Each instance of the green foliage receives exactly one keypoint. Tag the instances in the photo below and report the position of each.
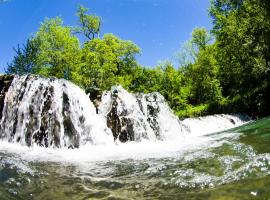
(200, 38)
(193, 111)
(242, 30)
(230, 75)
(89, 24)
(187, 55)
(204, 77)
(221, 9)
(59, 50)
(108, 61)
(146, 80)
(25, 59)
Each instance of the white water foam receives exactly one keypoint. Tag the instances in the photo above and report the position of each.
(214, 123)
(157, 134)
(34, 103)
(119, 151)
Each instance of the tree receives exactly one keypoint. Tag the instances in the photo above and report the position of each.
(172, 84)
(242, 30)
(197, 84)
(89, 24)
(204, 77)
(200, 38)
(221, 9)
(146, 80)
(190, 49)
(187, 54)
(24, 61)
(58, 50)
(108, 61)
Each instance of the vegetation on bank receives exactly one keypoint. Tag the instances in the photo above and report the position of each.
(226, 70)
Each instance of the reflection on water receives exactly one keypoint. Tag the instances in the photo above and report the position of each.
(229, 165)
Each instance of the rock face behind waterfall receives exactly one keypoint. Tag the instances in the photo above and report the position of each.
(138, 116)
(50, 113)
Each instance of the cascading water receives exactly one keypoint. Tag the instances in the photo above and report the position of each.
(140, 116)
(50, 113)
(56, 113)
(213, 123)
(130, 146)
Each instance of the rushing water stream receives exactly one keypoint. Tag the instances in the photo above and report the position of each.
(164, 158)
(226, 165)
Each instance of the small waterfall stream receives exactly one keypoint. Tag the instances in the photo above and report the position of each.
(56, 113)
(50, 113)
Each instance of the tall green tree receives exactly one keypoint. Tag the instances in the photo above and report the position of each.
(108, 61)
(58, 50)
(146, 80)
(204, 77)
(188, 54)
(242, 30)
(24, 61)
(200, 38)
(172, 86)
(89, 24)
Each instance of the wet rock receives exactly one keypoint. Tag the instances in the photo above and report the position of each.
(49, 122)
(56, 113)
(113, 120)
(134, 117)
(5, 82)
(95, 96)
(127, 130)
(121, 126)
(152, 100)
(69, 127)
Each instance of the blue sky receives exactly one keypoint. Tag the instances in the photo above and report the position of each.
(158, 27)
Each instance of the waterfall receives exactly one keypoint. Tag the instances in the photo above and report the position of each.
(214, 123)
(140, 116)
(53, 112)
(50, 113)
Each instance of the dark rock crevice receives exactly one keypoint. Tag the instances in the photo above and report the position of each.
(69, 127)
(120, 125)
(95, 95)
(152, 113)
(122, 122)
(5, 82)
(48, 123)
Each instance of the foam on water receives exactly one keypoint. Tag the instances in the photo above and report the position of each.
(185, 166)
(55, 113)
(145, 149)
(89, 153)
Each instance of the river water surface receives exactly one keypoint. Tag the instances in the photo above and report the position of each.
(227, 165)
